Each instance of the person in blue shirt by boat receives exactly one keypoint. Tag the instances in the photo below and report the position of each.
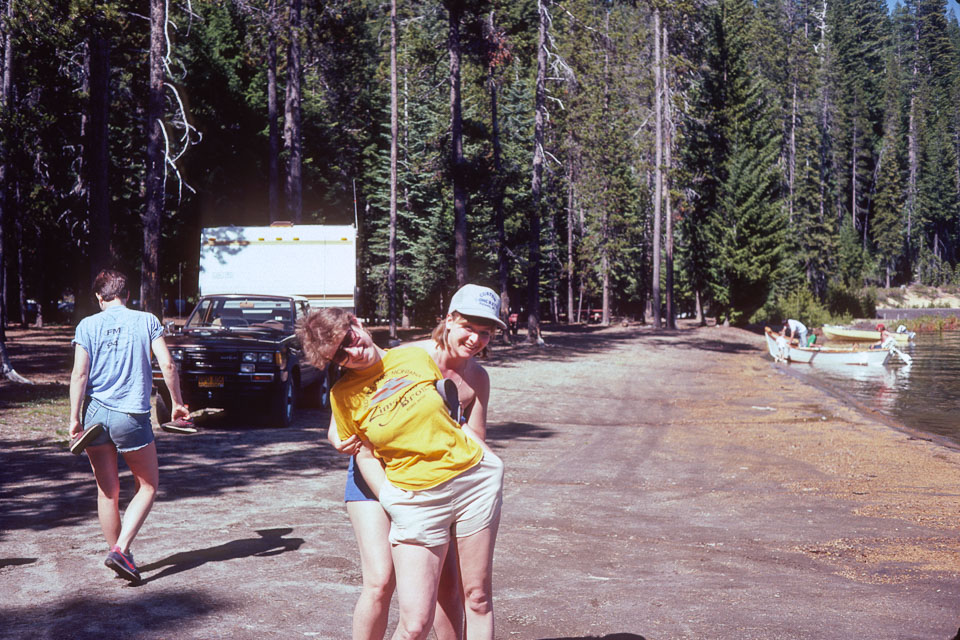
(797, 330)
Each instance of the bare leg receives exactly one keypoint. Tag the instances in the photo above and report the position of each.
(143, 465)
(448, 621)
(418, 573)
(372, 526)
(103, 460)
(476, 572)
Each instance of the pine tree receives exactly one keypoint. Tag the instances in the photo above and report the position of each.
(937, 188)
(746, 228)
(859, 31)
(889, 230)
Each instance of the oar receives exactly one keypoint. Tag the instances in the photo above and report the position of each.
(900, 354)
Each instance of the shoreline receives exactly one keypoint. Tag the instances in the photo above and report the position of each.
(867, 411)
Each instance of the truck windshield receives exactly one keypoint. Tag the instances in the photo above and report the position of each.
(242, 313)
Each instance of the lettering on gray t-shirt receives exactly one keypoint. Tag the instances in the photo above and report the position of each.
(118, 341)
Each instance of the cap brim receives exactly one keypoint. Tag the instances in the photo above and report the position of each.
(481, 315)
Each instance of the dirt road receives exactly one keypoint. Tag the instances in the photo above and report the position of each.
(659, 486)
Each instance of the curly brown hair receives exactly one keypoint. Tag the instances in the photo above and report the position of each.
(321, 332)
(439, 334)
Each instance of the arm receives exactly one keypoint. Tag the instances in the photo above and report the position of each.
(476, 424)
(78, 389)
(371, 469)
(349, 446)
(170, 377)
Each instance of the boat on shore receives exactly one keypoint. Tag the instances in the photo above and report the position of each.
(781, 350)
(836, 332)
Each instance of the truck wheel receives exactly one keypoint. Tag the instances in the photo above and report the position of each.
(163, 406)
(316, 395)
(281, 410)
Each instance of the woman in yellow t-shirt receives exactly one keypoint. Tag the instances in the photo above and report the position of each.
(471, 322)
(438, 476)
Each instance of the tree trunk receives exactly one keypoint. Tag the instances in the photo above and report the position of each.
(604, 244)
(582, 228)
(97, 153)
(498, 213)
(658, 177)
(792, 153)
(456, 146)
(6, 98)
(291, 125)
(913, 155)
(853, 179)
(605, 300)
(571, 201)
(273, 177)
(18, 243)
(533, 268)
(552, 259)
(668, 161)
(154, 192)
(394, 133)
(6, 367)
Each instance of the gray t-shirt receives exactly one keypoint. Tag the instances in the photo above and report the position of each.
(118, 341)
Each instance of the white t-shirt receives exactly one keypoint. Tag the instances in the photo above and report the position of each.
(796, 327)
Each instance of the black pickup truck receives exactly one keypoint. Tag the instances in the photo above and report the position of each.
(240, 352)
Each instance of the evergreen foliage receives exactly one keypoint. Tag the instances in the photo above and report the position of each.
(812, 151)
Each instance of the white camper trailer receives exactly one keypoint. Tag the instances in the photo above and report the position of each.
(317, 262)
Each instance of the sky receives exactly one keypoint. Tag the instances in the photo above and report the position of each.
(952, 4)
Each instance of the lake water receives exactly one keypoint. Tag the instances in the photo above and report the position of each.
(922, 395)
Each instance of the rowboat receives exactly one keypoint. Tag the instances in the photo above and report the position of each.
(780, 350)
(836, 332)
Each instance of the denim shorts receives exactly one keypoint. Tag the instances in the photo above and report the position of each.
(357, 489)
(127, 431)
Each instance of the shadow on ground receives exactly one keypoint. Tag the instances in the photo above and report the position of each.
(500, 433)
(42, 485)
(270, 543)
(614, 636)
(18, 395)
(100, 616)
(564, 343)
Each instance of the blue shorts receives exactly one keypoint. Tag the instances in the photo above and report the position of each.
(127, 431)
(357, 489)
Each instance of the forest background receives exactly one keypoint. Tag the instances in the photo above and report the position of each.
(746, 159)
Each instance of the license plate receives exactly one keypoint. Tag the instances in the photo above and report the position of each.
(210, 382)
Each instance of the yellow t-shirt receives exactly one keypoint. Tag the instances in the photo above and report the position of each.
(394, 405)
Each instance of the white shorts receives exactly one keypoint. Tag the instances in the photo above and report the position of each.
(468, 503)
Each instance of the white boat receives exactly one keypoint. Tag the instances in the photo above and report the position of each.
(836, 332)
(781, 350)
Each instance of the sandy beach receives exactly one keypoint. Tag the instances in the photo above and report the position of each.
(659, 485)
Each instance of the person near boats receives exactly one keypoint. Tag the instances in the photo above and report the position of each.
(885, 336)
(796, 330)
(387, 400)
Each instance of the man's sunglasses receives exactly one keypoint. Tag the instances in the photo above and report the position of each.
(340, 355)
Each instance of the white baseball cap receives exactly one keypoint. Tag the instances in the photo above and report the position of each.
(477, 302)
